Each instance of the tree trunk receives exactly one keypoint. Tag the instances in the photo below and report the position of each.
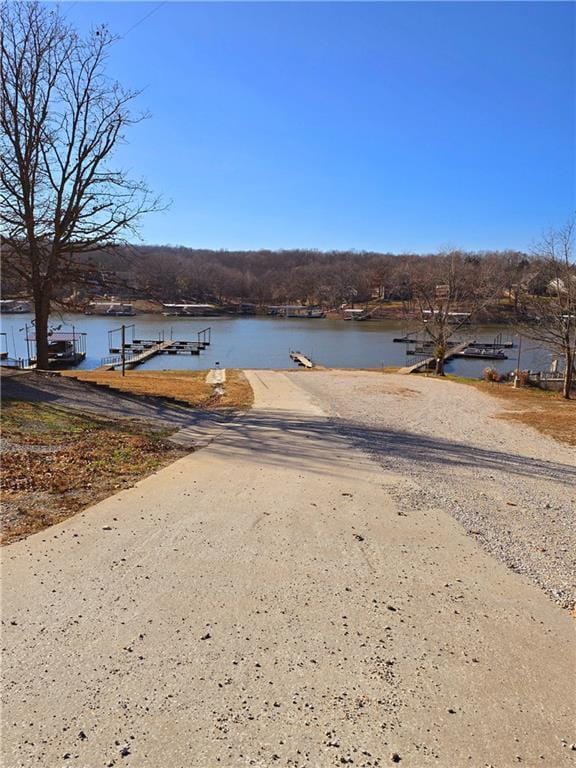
(440, 355)
(568, 376)
(41, 311)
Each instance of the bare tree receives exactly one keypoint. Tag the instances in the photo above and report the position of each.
(550, 318)
(61, 118)
(450, 291)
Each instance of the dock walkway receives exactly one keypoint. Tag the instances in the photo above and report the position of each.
(428, 361)
(132, 360)
(138, 351)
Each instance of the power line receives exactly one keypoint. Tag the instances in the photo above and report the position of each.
(143, 19)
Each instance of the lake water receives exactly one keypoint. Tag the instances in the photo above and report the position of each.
(265, 342)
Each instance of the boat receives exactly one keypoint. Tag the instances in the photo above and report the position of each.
(14, 306)
(64, 349)
(190, 310)
(451, 318)
(315, 313)
(296, 310)
(482, 353)
(353, 314)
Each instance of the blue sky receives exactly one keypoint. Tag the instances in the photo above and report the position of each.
(384, 126)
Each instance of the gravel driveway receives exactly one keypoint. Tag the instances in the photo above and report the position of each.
(511, 487)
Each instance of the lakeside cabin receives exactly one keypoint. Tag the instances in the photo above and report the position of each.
(110, 308)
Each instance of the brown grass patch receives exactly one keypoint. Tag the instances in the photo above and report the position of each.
(57, 463)
(546, 411)
(186, 386)
(237, 391)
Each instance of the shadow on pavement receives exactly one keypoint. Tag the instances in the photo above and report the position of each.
(320, 444)
(77, 395)
(281, 437)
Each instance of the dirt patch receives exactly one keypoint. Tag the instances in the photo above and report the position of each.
(186, 386)
(401, 391)
(385, 389)
(57, 462)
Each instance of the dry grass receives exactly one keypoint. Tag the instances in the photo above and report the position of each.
(546, 411)
(57, 462)
(186, 386)
(237, 391)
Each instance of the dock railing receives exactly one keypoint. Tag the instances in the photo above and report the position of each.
(205, 336)
(131, 357)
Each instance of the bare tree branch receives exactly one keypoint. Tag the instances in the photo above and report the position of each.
(551, 318)
(61, 118)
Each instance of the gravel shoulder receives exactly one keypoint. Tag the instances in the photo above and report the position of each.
(512, 488)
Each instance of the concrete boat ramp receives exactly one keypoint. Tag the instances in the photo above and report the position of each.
(264, 602)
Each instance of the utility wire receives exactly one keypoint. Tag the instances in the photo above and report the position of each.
(143, 19)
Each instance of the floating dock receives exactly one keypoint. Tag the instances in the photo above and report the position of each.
(301, 359)
(138, 351)
(482, 353)
(492, 345)
(469, 349)
(428, 362)
(133, 358)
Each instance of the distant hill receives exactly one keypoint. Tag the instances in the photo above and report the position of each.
(166, 273)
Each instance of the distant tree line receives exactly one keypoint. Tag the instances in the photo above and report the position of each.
(536, 292)
(329, 278)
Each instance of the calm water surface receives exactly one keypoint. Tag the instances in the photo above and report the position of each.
(264, 342)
